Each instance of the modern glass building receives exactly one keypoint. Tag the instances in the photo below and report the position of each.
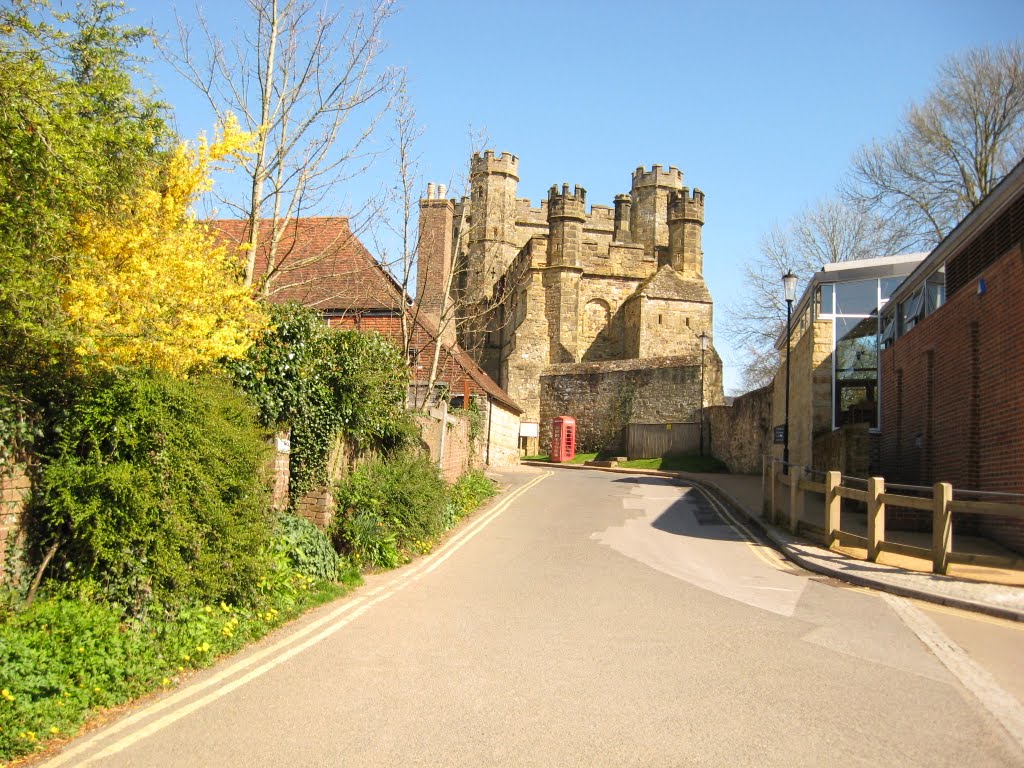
(835, 342)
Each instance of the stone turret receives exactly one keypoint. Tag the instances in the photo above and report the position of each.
(649, 213)
(623, 206)
(494, 180)
(566, 216)
(685, 220)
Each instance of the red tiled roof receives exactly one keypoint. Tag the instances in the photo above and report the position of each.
(321, 264)
(324, 266)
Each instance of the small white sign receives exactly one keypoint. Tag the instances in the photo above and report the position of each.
(529, 429)
(284, 445)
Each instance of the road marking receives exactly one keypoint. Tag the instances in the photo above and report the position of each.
(765, 553)
(335, 620)
(1002, 705)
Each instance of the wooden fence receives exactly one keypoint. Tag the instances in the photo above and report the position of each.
(652, 441)
(939, 502)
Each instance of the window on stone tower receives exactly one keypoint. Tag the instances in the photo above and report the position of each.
(659, 319)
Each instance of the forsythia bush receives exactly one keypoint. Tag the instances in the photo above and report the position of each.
(152, 286)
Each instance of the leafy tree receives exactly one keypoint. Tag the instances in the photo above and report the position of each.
(152, 287)
(75, 136)
(952, 149)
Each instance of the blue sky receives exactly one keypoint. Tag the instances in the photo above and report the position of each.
(760, 104)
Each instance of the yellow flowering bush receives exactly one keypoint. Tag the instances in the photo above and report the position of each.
(152, 286)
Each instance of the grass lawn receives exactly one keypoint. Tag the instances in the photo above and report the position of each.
(689, 463)
(579, 458)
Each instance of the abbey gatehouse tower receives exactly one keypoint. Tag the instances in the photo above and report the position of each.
(595, 313)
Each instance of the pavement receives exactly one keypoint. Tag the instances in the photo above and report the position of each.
(742, 493)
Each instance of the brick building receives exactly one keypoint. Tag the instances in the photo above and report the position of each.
(589, 305)
(953, 357)
(329, 269)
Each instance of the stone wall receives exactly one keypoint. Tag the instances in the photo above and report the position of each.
(499, 442)
(15, 489)
(604, 397)
(739, 435)
(459, 455)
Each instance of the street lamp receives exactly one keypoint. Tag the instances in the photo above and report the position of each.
(704, 339)
(789, 286)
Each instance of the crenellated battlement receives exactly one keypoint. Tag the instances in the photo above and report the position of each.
(487, 162)
(686, 205)
(565, 204)
(657, 177)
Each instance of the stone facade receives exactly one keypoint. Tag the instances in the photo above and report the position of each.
(605, 397)
(810, 383)
(541, 288)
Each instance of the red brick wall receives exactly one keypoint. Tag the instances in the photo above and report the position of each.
(953, 392)
(15, 488)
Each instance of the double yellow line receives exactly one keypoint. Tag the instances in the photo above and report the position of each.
(183, 702)
(762, 551)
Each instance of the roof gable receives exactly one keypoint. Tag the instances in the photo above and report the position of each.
(666, 283)
(321, 264)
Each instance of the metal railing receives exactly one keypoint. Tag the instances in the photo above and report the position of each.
(876, 496)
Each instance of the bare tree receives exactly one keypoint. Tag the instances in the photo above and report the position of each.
(951, 150)
(308, 80)
(831, 231)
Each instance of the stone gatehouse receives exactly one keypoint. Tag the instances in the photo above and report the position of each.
(558, 299)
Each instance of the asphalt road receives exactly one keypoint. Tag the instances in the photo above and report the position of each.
(594, 619)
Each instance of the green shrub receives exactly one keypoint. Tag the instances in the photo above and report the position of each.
(401, 498)
(66, 656)
(307, 548)
(324, 383)
(155, 492)
(471, 490)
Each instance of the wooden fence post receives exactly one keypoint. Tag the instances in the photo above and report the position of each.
(942, 526)
(833, 505)
(795, 496)
(876, 516)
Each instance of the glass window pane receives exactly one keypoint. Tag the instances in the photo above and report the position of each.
(856, 362)
(825, 301)
(888, 285)
(935, 292)
(859, 297)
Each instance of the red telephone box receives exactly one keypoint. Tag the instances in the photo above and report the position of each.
(563, 438)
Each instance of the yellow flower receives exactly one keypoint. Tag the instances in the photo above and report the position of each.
(7, 694)
(165, 681)
(54, 729)
(186, 657)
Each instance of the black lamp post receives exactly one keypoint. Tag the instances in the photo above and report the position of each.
(704, 339)
(789, 286)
